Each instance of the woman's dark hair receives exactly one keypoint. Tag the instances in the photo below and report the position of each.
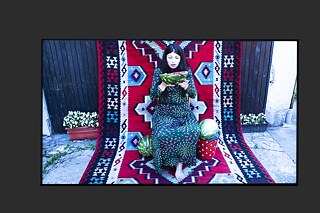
(183, 65)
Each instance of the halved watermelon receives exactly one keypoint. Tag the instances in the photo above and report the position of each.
(174, 78)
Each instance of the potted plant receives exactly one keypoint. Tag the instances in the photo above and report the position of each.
(81, 125)
(253, 122)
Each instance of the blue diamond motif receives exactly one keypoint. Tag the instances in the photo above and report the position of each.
(204, 73)
(136, 76)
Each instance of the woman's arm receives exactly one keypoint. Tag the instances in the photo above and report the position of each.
(155, 91)
(191, 90)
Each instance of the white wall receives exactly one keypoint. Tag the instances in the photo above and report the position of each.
(45, 118)
(283, 75)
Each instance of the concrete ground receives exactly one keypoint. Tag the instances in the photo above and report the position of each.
(64, 161)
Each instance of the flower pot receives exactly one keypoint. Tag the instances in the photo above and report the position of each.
(254, 128)
(81, 133)
(206, 149)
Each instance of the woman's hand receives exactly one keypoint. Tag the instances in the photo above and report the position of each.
(184, 84)
(163, 86)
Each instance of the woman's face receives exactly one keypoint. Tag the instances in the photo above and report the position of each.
(173, 60)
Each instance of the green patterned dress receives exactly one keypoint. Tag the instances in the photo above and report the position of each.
(175, 129)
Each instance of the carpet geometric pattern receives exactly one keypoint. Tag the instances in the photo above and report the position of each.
(125, 71)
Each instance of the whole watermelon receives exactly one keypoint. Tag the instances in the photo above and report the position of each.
(174, 78)
(145, 146)
(208, 129)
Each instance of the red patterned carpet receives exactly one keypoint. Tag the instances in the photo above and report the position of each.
(125, 110)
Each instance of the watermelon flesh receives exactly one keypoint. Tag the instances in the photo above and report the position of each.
(174, 78)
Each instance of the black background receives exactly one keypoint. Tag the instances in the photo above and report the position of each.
(25, 24)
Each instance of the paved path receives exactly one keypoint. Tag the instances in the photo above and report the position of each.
(276, 150)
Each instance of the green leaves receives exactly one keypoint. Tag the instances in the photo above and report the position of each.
(253, 119)
(80, 119)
